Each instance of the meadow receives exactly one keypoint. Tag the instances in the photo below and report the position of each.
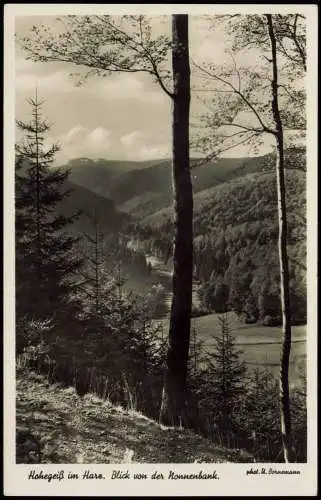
(260, 346)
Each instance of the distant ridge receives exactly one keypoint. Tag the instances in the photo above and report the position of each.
(141, 188)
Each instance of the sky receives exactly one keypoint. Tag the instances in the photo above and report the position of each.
(123, 116)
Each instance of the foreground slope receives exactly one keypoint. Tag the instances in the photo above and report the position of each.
(55, 425)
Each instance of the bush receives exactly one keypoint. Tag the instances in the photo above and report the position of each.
(156, 301)
(271, 321)
(214, 296)
(197, 313)
(28, 447)
(259, 417)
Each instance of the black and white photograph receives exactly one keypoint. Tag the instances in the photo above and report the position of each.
(162, 273)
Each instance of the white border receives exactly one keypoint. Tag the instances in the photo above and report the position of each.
(233, 480)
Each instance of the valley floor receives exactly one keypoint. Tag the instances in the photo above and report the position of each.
(55, 425)
(260, 346)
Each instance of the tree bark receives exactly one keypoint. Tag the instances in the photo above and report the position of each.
(173, 399)
(283, 257)
(38, 187)
(97, 294)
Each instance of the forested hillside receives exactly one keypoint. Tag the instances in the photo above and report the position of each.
(142, 188)
(108, 177)
(235, 251)
(87, 203)
(235, 225)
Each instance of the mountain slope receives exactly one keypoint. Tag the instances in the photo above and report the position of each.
(134, 180)
(142, 188)
(244, 199)
(236, 243)
(99, 176)
(55, 425)
(110, 219)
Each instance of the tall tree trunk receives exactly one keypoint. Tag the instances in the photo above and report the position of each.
(173, 400)
(38, 187)
(283, 257)
(97, 290)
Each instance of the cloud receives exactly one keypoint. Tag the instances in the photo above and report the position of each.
(99, 137)
(54, 82)
(205, 41)
(133, 138)
(141, 145)
(23, 65)
(119, 87)
(102, 143)
(81, 141)
(153, 152)
(96, 138)
(203, 52)
(126, 86)
(76, 135)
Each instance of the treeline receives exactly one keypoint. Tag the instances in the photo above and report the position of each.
(236, 245)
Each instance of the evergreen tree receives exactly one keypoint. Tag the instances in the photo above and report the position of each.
(45, 252)
(224, 377)
(258, 416)
(195, 355)
(119, 354)
(95, 275)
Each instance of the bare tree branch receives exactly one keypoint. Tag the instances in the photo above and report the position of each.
(237, 92)
(72, 48)
(216, 154)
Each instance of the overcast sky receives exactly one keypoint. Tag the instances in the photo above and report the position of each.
(123, 116)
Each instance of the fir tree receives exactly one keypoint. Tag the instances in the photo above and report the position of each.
(95, 275)
(196, 358)
(258, 416)
(225, 376)
(45, 252)
(120, 343)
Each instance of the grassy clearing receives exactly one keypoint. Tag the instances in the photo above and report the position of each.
(261, 345)
(55, 425)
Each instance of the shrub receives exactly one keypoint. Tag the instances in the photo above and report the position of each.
(271, 321)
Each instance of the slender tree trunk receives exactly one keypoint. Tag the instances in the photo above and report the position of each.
(97, 294)
(283, 257)
(195, 352)
(38, 217)
(173, 400)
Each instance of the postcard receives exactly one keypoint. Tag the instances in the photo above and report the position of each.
(160, 250)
